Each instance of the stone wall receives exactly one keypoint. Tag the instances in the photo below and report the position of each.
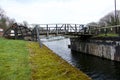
(103, 48)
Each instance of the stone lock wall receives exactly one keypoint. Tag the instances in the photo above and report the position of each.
(105, 49)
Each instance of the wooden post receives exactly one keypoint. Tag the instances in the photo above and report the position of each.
(33, 34)
(75, 28)
(47, 31)
(89, 31)
(119, 30)
(105, 32)
(56, 29)
(16, 31)
(65, 29)
(21, 32)
(38, 36)
(68, 28)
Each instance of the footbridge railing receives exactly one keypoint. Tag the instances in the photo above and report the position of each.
(22, 32)
(59, 29)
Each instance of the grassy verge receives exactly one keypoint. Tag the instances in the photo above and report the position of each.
(107, 35)
(17, 63)
(14, 61)
(48, 66)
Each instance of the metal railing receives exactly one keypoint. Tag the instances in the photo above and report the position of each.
(105, 30)
(46, 29)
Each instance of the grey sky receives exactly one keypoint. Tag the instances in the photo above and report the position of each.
(58, 11)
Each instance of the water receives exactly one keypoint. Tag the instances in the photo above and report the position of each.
(96, 68)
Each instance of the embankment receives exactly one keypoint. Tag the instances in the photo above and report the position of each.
(22, 60)
(46, 65)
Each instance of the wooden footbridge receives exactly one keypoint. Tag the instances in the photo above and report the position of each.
(22, 32)
(60, 29)
(18, 32)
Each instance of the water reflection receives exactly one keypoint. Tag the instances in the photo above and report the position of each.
(60, 47)
(96, 68)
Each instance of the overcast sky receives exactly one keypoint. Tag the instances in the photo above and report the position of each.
(57, 11)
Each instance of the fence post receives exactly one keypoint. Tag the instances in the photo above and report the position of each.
(75, 28)
(119, 30)
(65, 29)
(38, 36)
(105, 31)
(15, 27)
(56, 29)
(47, 31)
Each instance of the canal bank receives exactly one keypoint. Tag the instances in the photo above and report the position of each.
(103, 47)
(23, 60)
(95, 67)
(46, 65)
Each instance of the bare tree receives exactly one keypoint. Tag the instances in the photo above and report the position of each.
(5, 21)
(25, 23)
(92, 25)
(110, 20)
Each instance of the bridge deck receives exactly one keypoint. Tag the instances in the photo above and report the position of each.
(78, 30)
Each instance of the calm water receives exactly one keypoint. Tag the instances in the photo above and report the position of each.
(96, 68)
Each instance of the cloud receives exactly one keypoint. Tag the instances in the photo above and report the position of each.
(54, 11)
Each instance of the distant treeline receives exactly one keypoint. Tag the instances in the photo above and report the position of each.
(108, 20)
(5, 21)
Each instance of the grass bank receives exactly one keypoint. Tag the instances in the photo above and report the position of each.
(107, 35)
(21, 60)
(14, 61)
(48, 66)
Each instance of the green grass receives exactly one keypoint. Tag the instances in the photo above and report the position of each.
(46, 65)
(21, 60)
(107, 35)
(14, 60)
